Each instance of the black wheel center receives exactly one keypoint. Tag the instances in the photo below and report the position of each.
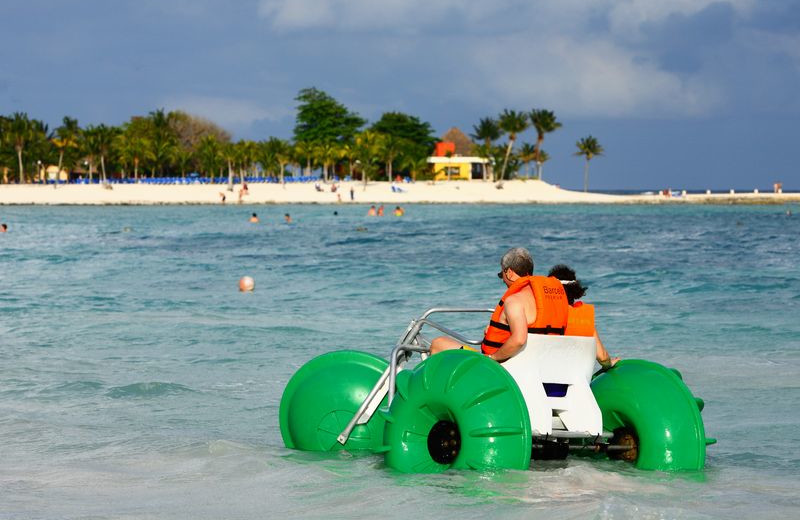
(444, 442)
(625, 437)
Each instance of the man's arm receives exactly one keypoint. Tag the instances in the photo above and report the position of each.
(515, 315)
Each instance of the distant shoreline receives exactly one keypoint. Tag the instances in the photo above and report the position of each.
(453, 192)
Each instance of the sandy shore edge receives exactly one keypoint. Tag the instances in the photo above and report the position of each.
(456, 192)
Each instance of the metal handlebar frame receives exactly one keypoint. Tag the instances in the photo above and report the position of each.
(410, 341)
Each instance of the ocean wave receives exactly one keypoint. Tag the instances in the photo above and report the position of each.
(147, 390)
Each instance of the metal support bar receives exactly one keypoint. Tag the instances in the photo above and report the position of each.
(342, 438)
(410, 341)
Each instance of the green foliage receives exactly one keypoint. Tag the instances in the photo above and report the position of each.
(320, 118)
(133, 147)
(589, 147)
(512, 123)
(487, 130)
(209, 155)
(544, 121)
(368, 153)
(66, 142)
(326, 135)
(526, 154)
(418, 135)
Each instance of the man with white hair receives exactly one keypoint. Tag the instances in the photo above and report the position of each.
(530, 305)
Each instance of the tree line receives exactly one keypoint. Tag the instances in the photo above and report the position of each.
(328, 137)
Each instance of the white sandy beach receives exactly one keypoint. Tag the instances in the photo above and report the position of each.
(454, 192)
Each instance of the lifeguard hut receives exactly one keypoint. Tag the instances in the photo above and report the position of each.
(453, 158)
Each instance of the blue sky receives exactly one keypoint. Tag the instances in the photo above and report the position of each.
(682, 93)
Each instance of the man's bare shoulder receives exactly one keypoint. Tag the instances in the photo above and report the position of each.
(520, 298)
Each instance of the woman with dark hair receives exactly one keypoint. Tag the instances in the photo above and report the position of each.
(580, 321)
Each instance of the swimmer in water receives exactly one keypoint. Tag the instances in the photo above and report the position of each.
(287, 218)
(371, 212)
(3, 227)
(254, 218)
(399, 212)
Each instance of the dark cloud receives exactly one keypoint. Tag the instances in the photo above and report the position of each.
(684, 42)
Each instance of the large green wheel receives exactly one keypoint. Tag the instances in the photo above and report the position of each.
(650, 408)
(457, 409)
(322, 397)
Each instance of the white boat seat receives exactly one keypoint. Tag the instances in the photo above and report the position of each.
(553, 373)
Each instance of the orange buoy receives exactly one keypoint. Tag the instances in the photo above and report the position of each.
(246, 283)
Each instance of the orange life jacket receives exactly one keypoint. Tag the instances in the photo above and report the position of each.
(580, 321)
(551, 311)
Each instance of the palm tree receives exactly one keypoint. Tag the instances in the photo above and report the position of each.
(161, 151)
(182, 158)
(90, 146)
(19, 132)
(162, 139)
(40, 147)
(487, 131)
(228, 151)
(304, 151)
(544, 121)
(246, 154)
(283, 154)
(415, 164)
(527, 153)
(105, 141)
(208, 154)
(588, 147)
(512, 123)
(326, 154)
(68, 134)
(265, 156)
(391, 147)
(133, 148)
(368, 152)
(348, 151)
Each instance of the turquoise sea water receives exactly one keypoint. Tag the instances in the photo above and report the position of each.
(137, 382)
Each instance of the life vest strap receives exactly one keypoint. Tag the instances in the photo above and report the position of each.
(498, 325)
(547, 330)
(493, 344)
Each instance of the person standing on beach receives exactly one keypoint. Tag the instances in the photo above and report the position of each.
(352, 193)
(580, 321)
(530, 305)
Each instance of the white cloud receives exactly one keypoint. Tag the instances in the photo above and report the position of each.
(581, 57)
(626, 18)
(399, 15)
(592, 78)
(230, 113)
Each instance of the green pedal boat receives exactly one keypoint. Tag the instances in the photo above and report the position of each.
(460, 409)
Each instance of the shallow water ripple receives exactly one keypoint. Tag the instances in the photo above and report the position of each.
(137, 382)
